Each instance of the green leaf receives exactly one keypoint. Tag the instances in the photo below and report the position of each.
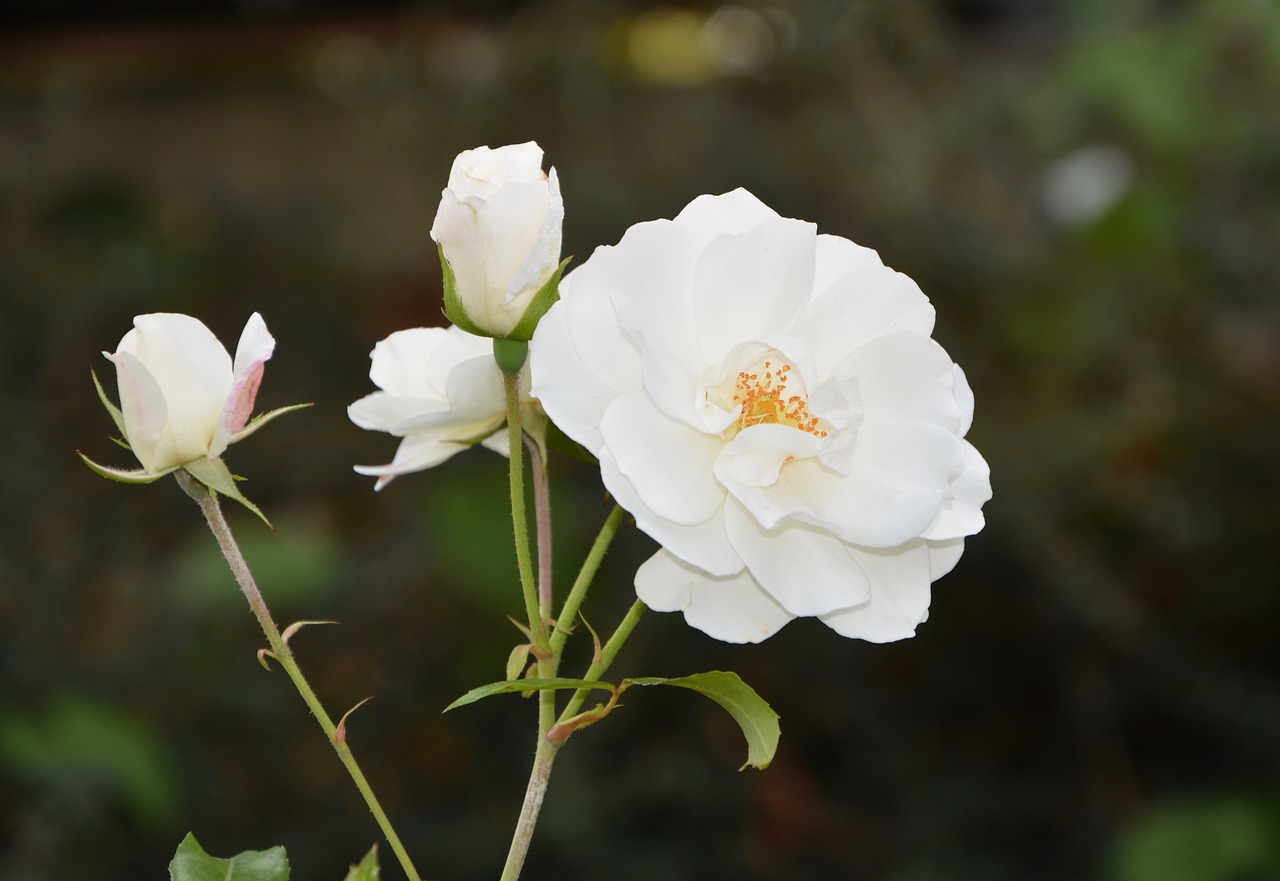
(368, 869)
(758, 721)
(525, 685)
(120, 475)
(191, 863)
(215, 475)
(106, 402)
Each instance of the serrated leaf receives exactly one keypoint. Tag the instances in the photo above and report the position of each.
(191, 863)
(758, 721)
(367, 870)
(215, 475)
(524, 685)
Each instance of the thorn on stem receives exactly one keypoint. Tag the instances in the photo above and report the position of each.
(263, 654)
(340, 733)
(298, 625)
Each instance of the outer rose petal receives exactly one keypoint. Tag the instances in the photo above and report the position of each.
(143, 407)
(733, 212)
(193, 372)
(961, 512)
(806, 570)
(252, 353)
(900, 594)
(579, 361)
(415, 453)
(732, 608)
(860, 305)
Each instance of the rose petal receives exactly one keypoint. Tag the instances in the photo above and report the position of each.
(704, 545)
(961, 511)
(732, 608)
(668, 463)
(900, 595)
(808, 571)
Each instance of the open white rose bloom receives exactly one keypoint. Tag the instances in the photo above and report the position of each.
(768, 404)
(182, 397)
(441, 391)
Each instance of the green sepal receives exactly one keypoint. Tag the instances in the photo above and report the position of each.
(191, 863)
(453, 308)
(758, 721)
(262, 419)
(116, 415)
(141, 475)
(525, 685)
(367, 869)
(216, 477)
(543, 300)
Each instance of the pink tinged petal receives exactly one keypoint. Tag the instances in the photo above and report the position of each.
(731, 609)
(252, 353)
(143, 407)
(579, 361)
(900, 595)
(859, 306)
(838, 256)
(705, 545)
(904, 376)
(669, 464)
(897, 481)
(961, 512)
(752, 285)
(943, 556)
(807, 570)
(195, 377)
(415, 453)
(734, 212)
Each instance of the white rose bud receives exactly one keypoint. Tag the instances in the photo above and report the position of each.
(498, 230)
(183, 400)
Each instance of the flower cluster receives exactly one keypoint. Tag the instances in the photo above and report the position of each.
(766, 401)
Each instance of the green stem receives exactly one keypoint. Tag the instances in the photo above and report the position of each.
(585, 576)
(519, 519)
(280, 650)
(542, 522)
(607, 654)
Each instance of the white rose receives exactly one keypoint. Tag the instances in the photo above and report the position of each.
(498, 227)
(441, 391)
(769, 405)
(181, 396)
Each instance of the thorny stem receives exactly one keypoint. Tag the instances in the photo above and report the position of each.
(585, 576)
(519, 519)
(542, 520)
(281, 652)
(607, 654)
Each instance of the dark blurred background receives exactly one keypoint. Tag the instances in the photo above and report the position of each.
(1088, 192)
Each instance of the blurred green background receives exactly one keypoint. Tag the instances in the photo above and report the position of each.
(1088, 191)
